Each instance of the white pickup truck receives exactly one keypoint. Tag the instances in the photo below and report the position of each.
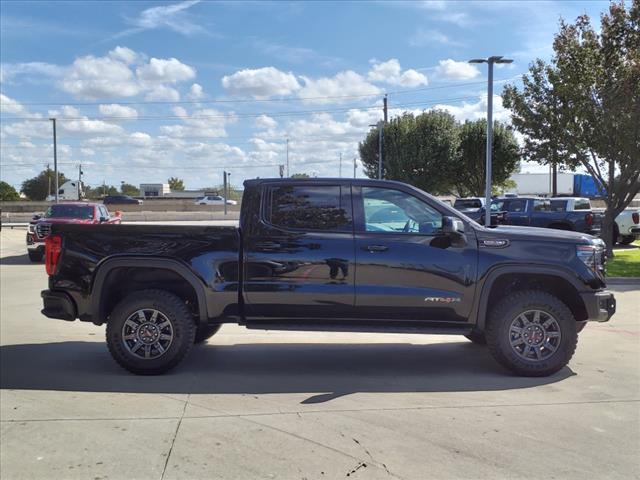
(627, 224)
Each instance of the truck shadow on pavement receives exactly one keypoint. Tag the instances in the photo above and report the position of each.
(22, 259)
(337, 368)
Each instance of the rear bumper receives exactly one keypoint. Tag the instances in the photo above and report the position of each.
(58, 305)
(635, 231)
(600, 305)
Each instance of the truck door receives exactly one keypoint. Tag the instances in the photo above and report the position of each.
(299, 258)
(517, 211)
(406, 268)
(541, 214)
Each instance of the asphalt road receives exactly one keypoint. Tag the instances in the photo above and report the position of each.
(252, 405)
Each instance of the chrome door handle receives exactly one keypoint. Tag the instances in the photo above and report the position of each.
(376, 248)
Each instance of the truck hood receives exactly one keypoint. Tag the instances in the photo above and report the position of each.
(514, 233)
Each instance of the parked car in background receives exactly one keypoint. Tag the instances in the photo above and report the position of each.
(63, 213)
(331, 255)
(121, 200)
(213, 200)
(473, 207)
(626, 228)
(550, 213)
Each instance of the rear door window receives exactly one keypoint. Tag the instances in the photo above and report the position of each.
(582, 204)
(515, 205)
(310, 207)
(541, 205)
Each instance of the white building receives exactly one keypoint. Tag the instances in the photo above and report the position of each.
(154, 189)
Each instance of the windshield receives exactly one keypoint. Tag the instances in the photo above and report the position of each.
(467, 203)
(69, 211)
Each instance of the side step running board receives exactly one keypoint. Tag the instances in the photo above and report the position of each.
(362, 327)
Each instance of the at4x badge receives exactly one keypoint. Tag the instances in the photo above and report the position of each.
(443, 299)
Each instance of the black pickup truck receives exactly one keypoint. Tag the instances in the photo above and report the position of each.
(330, 255)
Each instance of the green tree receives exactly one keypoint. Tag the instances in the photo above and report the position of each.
(468, 170)
(128, 189)
(100, 191)
(419, 150)
(300, 175)
(176, 183)
(8, 193)
(583, 108)
(38, 187)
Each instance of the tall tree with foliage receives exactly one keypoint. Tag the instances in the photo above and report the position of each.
(583, 109)
(417, 149)
(8, 193)
(469, 167)
(176, 184)
(128, 189)
(38, 187)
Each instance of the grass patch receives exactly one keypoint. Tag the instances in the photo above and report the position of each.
(625, 263)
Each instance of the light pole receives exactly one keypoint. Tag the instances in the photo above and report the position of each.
(380, 126)
(487, 193)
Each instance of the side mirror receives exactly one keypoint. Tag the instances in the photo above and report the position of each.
(37, 216)
(103, 219)
(452, 225)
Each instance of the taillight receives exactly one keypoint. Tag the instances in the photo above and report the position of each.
(636, 217)
(52, 249)
(589, 219)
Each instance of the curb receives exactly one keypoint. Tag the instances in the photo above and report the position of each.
(623, 281)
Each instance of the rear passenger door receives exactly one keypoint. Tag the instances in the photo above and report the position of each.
(516, 209)
(541, 214)
(299, 259)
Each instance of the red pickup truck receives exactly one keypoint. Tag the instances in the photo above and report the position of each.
(68, 212)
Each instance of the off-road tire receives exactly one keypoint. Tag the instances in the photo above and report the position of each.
(35, 257)
(205, 333)
(176, 311)
(510, 307)
(477, 337)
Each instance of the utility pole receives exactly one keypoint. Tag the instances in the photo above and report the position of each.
(380, 137)
(224, 183)
(340, 168)
(287, 158)
(104, 188)
(79, 179)
(354, 167)
(384, 107)
(55, 157)
(48, 180)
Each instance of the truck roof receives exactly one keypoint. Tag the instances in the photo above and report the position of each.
(322, 180)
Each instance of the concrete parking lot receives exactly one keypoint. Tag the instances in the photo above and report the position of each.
(252, 404)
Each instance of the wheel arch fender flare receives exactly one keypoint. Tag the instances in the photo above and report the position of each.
(107, 266)
(494, 274)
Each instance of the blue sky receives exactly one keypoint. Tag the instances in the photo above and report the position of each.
(147, 90)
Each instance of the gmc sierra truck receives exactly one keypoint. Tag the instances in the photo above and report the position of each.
(330, 255)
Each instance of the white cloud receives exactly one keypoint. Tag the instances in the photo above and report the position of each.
(120, 111)
(8, 71)
(429, 38)
(347, 83)
(201, 123)
(266, 122)
(165, 71)
(477, 110)
(163, 93)
(390, 72)
(173, 17)
(9, 105)
(450, 69)
(261, 83)
(196, 92)
(100, 77)
(125, 73)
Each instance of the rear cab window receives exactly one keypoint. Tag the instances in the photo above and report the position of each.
(309, 207)
(582, 204)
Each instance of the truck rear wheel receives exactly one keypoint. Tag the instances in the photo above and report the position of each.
(205, 333)
(627, 239)
(532, 333)
(150, 332)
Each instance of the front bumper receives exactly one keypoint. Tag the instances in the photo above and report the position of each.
(58, 305)
(600, 305)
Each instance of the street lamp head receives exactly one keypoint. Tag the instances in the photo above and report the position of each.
(504, 60)
(478, 60)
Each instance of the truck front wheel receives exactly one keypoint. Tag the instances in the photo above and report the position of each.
(150, 332)
(532, 333)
